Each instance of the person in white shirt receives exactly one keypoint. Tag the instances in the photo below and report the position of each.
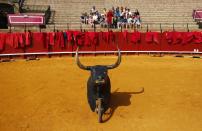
(93, 10)
(95, 18)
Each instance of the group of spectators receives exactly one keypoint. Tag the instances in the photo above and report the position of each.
(113, 18)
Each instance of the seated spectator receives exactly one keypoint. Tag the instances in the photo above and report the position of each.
(103, 21)
(129, 12)
(130, 21)
(104, 12)
(86, 18)
(119, 22)
(93, 10)
(121, 9)
(82, 18)
(125, 20)
(122, 22)
(137, 12)
(115, 21)
(117, 12)
(95, 18)
(90, 20)
(123, 12)
(113, 10)
(137, 21)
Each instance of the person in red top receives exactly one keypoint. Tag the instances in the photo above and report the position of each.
(110, 16)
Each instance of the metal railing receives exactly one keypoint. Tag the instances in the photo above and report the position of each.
(145, 28)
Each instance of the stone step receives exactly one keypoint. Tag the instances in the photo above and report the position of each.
(155, 12)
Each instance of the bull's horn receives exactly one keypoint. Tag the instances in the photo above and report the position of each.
(79, 63)
(117, 62)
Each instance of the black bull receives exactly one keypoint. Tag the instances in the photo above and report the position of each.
(98, 83)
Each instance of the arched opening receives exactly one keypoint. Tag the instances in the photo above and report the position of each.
(4, 10)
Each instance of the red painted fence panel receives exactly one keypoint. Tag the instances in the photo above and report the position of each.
(68, 41)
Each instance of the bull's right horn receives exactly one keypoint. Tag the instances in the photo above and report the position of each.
(79, 63)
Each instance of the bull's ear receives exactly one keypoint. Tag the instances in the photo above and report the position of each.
(79, 63)
(117, 62)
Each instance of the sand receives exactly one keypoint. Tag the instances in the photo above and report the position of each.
(148, 94)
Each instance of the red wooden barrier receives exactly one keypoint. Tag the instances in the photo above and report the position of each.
(38, 43)
(150, 41)
(11, 44)
(89, 42)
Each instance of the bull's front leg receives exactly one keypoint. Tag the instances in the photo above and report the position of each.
(91, 94)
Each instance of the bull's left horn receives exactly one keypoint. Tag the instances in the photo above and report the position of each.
(117, 62)
(79, 63)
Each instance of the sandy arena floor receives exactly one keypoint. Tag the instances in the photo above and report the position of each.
(50, 95)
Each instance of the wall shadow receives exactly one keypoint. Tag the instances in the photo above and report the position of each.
(119, 99)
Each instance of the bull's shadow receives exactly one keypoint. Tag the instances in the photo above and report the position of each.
(119, 99)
